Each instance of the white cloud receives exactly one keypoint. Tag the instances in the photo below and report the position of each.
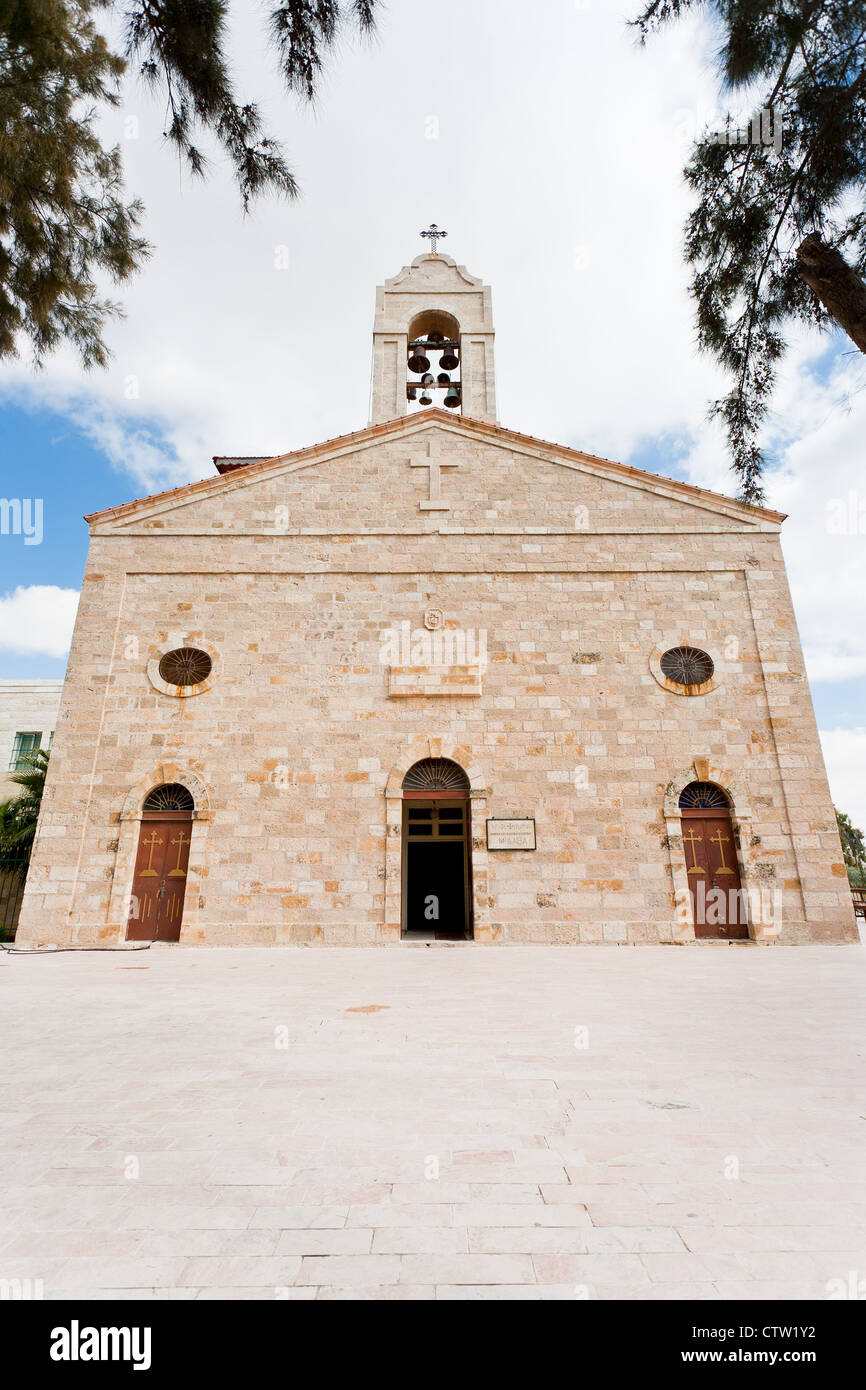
(845, 756)
(825, 553)
(38, 619)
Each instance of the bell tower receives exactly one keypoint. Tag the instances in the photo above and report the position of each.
(433, 340)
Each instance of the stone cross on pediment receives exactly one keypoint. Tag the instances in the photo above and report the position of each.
(434, 502)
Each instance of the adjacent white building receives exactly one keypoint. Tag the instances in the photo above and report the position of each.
(28, 716)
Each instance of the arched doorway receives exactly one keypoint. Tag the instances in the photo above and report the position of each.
(159, 881)
(437, 888)
(712, 867)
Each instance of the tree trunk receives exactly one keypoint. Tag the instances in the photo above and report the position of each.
(837, 285)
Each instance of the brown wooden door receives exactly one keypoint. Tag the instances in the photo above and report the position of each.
(718, 903)
(159, 883)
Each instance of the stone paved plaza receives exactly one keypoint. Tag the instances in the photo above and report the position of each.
(444, 1121)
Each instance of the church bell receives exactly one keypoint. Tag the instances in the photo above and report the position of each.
(448, 360)
(452, 398)
(425, 397)
(444, 379)
(418, 362)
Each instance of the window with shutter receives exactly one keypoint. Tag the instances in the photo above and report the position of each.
(25, 745)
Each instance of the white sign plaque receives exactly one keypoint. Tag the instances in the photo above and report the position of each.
(511, 833)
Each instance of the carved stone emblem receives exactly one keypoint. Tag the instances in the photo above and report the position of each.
(434, 618)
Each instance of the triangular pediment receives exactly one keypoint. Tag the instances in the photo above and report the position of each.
(383, 479)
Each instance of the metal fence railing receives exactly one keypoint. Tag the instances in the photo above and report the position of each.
(13, 874)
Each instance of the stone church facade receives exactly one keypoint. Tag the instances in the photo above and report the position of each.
(436, 678)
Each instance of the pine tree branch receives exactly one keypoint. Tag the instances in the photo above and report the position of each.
(771, 246)
(836, 284)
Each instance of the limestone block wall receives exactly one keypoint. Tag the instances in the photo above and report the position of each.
(297, 747)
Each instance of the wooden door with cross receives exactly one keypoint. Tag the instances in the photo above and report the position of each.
(159, 882)
(718, 904)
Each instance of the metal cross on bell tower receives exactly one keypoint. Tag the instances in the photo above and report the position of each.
(435, 235)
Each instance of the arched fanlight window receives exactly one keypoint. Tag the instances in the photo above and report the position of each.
(435, 775)
(171, 796)
(703, 796)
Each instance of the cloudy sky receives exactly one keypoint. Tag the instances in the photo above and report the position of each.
(550, 146)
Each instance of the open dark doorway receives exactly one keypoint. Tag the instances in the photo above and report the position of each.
(436, 869)
(437, 862)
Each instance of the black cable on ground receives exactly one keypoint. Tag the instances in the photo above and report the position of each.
(14, 950)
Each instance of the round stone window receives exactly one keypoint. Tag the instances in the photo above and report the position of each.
(185, 666)
(687, 666)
